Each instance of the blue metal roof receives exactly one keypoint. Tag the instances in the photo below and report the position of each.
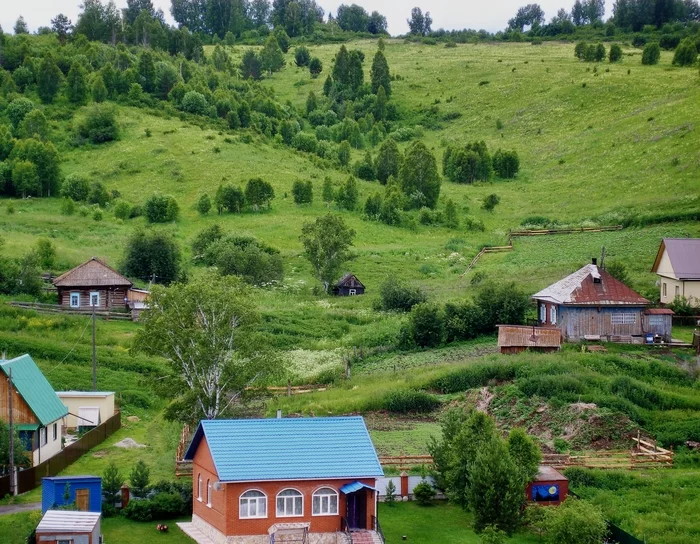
(253, 450)
(355, 486)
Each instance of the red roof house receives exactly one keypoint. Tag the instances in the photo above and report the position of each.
(591, 304)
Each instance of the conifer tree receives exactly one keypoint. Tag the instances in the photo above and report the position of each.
(48, 79)
(379, 74)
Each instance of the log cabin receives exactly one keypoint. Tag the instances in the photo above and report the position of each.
(93, 283)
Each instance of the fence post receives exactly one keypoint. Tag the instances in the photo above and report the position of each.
(404, 484)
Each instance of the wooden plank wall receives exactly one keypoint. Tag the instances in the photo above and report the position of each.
(114, 296)
(20, 409)
(578, 322)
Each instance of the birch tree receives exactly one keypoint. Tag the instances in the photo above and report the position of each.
(204, 329)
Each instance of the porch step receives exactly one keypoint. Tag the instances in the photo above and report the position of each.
(195, 534)
(365, 537)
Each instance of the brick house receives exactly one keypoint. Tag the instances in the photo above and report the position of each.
(309, 480)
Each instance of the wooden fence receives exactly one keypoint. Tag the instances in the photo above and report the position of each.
(31, 478)
(406, 462)
(56, 309)
(183, 468)
(547, 232)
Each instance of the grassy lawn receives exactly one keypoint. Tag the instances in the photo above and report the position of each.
(432, 524)
(14, 529)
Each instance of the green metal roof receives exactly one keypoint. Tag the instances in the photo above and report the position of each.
(34, 389)
(27, 426)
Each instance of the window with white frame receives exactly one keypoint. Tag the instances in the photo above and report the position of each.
(325, 502)
(664, 289)
(352, 292)
(209, 493)
(75, 300)
(678, 290)
(543, 313)
(623, 319)
(43, 438)
(55, 431)
(94, 298)
(290, 503)
(199, 488)
(553, 315)
(252, 504)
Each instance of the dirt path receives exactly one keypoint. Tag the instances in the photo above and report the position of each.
(14, 508)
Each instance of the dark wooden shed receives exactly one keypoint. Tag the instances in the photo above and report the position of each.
(92, 283)
(657, 322)
(516, 338)
(349, 286)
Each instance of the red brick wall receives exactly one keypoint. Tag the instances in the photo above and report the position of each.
(223, 513)
(203, 465)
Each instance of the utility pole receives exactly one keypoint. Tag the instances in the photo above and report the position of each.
(12, 434)
(94, 354)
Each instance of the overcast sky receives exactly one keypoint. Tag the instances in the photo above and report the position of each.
(449, 14)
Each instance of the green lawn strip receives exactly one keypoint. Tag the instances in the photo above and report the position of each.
(441, 522)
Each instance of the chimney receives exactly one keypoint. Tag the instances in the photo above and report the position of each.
(279, 413)
(594, 261)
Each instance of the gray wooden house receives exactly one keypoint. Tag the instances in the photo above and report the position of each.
(349, 286)
(92, 283)
(590, 304)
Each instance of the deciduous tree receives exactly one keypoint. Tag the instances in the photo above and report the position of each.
(419, 176)
(327, 242)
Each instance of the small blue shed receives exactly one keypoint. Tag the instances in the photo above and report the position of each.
(84, 491)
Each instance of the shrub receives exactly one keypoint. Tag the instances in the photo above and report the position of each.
(135, 399)
(396, 294)
(490, 202)
(302, 57)
(302, 191)
(424, 493)
(651, 54)
(98, 194)
(122, 210)
(160, 209)
(576, 522)
(463, 321)
(492, 534)
(112, 481)
(304, 141)
(477, 375)
(194, 102)
(315, 67)
(139, 479)
(204, 204)
(167, 505)
(467, 164)
(99, 124)
(75, 187)
(426, 325)
(67, 206)
(406, 401)
(138, 510)
(686, 53)
(97, 214)
(18, 109)
(615, 53)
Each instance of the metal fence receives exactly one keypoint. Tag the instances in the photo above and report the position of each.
(31, 478)
(621, 536)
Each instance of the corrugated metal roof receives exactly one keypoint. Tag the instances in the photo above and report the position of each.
(659, 311)
(288, 449)
(580, 288)
(68, 521)
(34, 389)
(531, 337)
(355, 486)
(547, 473)
(684, 254)
(92, 273)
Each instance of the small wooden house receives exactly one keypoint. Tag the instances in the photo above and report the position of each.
(257, 481)
(83, 491)
(349, 286)
(93, 283)
(37, 411)
(677, 264)
(516, 338)
(69, 527)
(590, 304)
(549, 488)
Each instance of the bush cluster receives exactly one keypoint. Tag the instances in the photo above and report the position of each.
(473, 162)
(405, 401)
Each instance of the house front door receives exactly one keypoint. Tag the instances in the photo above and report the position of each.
(357, 509)
(82, 499)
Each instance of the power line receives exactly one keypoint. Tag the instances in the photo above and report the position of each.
(71, 349)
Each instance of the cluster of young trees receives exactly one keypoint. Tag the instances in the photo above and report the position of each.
(252, 260)
(483, 472)
(430, 325)
(355, 18)
(473, 162)
(152, 255)
(233, 199)
(23, 275)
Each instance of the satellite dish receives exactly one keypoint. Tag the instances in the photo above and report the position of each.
(218, 486)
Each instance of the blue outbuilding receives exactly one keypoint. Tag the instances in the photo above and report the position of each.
(84, 491)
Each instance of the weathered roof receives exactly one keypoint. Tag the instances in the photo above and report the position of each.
(68, 522)
(35, 389)
(580, 288)
(92, 273)
(659, 311)
(342, 281)
(254, 450)
(684, 254)
(546, 473)
(531, 337)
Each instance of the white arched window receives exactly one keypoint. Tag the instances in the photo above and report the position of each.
(325, 502)
(209, 493)
(290, 503)
(252, 504)
(199, 488)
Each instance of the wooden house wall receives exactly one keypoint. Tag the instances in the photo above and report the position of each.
(20, 409)
(110, 297)
(663, 330)
(577, 322)
(344, 291)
